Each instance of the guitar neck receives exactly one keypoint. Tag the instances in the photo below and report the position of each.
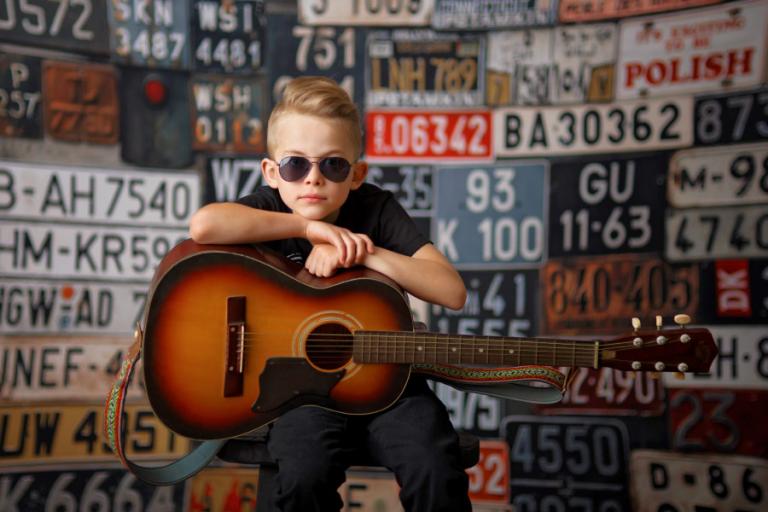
(429, 347)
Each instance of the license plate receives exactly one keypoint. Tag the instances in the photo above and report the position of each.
(489, 478)
(49, 434)
(226, 114)
(80, 486)
(410, 136)
(668, 57)
(567, 463)
(472, 412)
(365, 12)
(499, 303)
(335, 52)
(30, 306)
(601, 295)
(742, 362)
(155, 135)
(570, 64)
(228, 37)
(719, 420)
(690, 483)
(734, 291)
(78, 194)
(618, 127)
(610, 392)
(411, 185)
(80, 251)
(77, 25)
(20, 108)
(229, 178)
(492, 214)
(81, 102)
(492, 14)
(723, 232)
(154, 34)
(589, 10)
(719, 176)
(731, 118)
(63, 368)
(216, 487)
(607, 205)
(424, 69)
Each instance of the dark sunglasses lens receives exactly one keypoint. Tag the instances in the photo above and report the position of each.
(294, 168)
(335, 168)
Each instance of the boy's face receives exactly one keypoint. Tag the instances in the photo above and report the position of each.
(314, 196)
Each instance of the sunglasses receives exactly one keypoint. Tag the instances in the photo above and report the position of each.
(294, 168)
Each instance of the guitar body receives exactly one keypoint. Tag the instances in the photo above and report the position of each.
(288, 313)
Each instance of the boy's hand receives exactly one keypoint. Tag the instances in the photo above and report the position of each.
(323, 261)
(352, 247)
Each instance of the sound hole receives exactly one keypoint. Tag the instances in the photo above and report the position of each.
(329, 346)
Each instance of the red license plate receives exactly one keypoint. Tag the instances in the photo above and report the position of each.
(489, 478)
(442, 136)
(719, 420)
(611, 392)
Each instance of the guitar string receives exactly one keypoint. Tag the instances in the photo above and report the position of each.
(585, 344)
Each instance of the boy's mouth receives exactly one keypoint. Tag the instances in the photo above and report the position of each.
(312, 197)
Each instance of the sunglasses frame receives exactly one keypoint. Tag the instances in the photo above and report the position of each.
(312, 161)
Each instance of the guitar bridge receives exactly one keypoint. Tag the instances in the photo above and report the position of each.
(233, 373)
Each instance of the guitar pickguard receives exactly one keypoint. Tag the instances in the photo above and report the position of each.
(289, 382)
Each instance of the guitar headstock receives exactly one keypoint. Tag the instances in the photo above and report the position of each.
(679, 349)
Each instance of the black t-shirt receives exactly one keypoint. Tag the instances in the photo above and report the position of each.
(368, 210)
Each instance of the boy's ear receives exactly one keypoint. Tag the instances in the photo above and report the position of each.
(359, 173)
(270, 172)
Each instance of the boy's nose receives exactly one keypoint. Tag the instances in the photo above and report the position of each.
(314, 175)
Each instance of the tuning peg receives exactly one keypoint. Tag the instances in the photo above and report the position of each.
(682, 367)
(659, 322)
(635, 323)
(682, 320)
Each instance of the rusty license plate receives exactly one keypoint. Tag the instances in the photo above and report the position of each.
(600, 295)
(81, 102)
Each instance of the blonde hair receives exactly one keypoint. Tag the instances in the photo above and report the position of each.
(316, 96)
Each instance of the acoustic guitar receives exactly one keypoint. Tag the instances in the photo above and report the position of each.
(234, 336)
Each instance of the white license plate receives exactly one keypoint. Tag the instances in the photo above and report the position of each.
(106, 196)
(725, 232)
(719, 176)
(677, 54)
(742, 361)
(89, 252)
(366, 12)
(63, 368)
(59, 307)
(691, 483)
(551, 65)
(618, 127)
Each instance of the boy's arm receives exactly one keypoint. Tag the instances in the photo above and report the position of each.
(427, 274)
(234, 223)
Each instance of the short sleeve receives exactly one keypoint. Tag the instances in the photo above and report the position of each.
(397, 230)
(264, 198)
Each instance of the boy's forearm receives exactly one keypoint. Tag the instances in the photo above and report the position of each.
(430, 280)
(233, 223)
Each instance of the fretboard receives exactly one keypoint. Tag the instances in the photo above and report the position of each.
(430, 347)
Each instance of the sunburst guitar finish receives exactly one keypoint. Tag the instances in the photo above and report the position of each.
(287, 313)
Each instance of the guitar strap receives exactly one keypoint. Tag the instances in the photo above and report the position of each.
(509, 383)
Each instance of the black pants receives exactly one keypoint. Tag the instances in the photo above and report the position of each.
(414, 439)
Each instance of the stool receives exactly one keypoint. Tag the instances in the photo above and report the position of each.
(252, 449)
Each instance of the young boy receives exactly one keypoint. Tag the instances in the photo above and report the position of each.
(317, 210)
